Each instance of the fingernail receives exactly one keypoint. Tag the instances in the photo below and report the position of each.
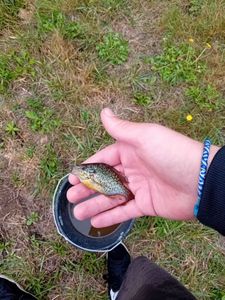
(108, 112)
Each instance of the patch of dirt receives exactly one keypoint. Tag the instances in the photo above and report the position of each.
(221, 243)
(26, 15)
(143, 32)
(16, 205)
(57, 47)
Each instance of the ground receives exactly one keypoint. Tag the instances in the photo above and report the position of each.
(61, 62)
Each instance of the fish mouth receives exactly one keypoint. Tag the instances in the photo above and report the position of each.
(76, 170)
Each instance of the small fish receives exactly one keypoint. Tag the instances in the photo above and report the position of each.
(104, 179)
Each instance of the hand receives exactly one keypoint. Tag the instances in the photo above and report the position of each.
(162, 167)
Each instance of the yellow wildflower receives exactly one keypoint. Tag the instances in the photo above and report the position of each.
(208, 45)
(189, 118)
(191, 40)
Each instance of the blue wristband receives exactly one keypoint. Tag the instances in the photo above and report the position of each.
(203, 171)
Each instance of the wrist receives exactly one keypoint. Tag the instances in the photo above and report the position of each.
(213, 150)
(208, 153)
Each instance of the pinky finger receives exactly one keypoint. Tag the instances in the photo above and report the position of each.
(119, 214)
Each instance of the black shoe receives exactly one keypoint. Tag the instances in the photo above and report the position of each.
(10, 290)
(117, 264)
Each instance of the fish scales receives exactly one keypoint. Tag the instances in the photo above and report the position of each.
(102, 178)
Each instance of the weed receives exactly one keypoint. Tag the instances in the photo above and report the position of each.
(16, 179)
(206, 97)
(113, 49)
(34, 241)
(6, 75)
(60, 248)
(41, 118)
(35, 103)
(195, 7)
(218, 294)
(4, 247)
(11, 128)
(178, 64)
(30, 151)
(50, 22)
(72, 30)
(58, 21)
(44, 121)
(85, 116)
(24, 63)
(143, 81)
(32, 218)
(14, 65)
(142, 99)
(49, 164)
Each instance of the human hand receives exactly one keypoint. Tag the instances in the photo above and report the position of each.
(162, 167)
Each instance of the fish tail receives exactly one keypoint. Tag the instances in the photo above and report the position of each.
(130, 195)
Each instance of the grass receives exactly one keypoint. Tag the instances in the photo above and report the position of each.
(9, 10)
(11, 128)
(178, 64)
(13, 66)
(206, 97)
(61, 62)
(113, 49)
(32, 218)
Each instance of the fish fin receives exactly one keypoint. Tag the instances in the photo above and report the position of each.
(128, 197)
(118, 196)
(92, 185)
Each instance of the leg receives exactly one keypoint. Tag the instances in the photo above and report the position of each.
(145, 280)
(10, 290)
(117, 264)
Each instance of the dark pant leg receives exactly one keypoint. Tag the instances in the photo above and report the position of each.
(145, 280)
(10, 291)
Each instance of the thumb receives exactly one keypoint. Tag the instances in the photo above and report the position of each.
(119, 129)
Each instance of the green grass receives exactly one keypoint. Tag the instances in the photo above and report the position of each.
(40, 117)
(49, 164)
(148, 61)
(195, 7)
(32, 218)
(13, 66)
(11, 128)
(206, 97)
(56, 20)
(179, 64)
(9, 10)
(30, 151)
(142, 99)
(113, 49)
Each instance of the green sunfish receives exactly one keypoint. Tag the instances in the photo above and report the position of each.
(104, 179)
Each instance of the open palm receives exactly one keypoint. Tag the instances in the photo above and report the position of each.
(161, 166)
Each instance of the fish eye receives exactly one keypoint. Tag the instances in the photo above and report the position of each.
(92, 171)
